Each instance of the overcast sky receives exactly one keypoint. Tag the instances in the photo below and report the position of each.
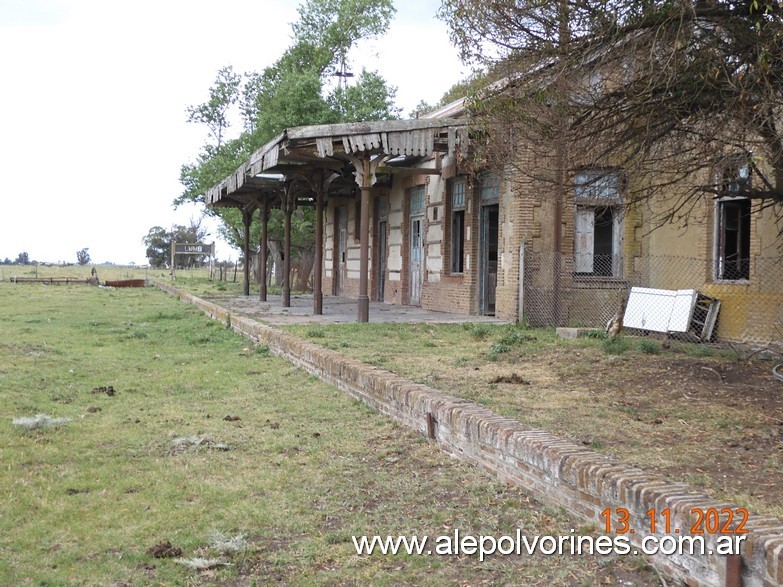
(92, 107)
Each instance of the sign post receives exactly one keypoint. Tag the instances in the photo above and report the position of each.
(191, 249)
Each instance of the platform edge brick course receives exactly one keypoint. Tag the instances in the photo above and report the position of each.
(555, 471)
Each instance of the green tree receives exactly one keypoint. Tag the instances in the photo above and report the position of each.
(82, 256)
(292, 92)
(368, 99)
(214, 113)
(23, 258)
(158, 242)
(337, 25)
(667, 90)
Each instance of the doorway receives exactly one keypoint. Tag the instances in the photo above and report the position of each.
(341, 238)
(416, 260)
(381, 255)
(488, 260)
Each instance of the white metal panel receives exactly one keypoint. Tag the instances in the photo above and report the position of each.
(659, 310)
(682, 310)
(649, 309)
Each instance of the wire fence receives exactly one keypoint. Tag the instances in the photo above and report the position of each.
(684, 298)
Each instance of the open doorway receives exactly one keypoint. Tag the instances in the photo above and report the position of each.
(488, 260)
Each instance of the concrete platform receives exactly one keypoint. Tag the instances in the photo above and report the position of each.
(336, 311)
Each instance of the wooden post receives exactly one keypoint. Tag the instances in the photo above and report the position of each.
(288, 209)
(247, 218)
(364, 256)
(264, 250)
(318, 296)
(211, 260)
(364, 170)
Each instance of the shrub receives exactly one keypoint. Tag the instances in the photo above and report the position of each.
(650, 347)
(615, 346)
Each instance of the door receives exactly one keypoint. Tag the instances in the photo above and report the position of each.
(488, 262)
(381, 254)
(341, 237)
(416, 260)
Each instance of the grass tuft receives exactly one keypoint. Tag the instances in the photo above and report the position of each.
(616, 346)
(478, 331)
(202, 564)
(649, 347)
(39, 421)
(228, 545)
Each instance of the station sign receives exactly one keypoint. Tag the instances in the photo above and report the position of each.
(192, 249)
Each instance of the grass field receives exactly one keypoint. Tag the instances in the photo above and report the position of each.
(179, 431)
(105, 272)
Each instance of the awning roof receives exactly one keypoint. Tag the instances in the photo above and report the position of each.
(305, 150)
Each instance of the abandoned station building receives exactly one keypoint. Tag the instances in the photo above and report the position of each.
(401, 219)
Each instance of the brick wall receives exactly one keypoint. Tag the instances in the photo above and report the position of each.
(451, 292)
(554, 470)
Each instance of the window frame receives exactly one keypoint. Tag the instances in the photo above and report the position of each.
(601, 191)
(457, 211)
(735, 174)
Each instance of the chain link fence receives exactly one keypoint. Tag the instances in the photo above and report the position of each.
(685, 298)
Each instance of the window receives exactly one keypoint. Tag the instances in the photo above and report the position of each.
(733, 225)
(458, 188)
(598, 223)
(417, 200)
(490, 187)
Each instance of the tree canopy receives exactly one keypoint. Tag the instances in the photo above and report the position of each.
(298, 89)
(158, 242)
(82, 256)
(672, 92)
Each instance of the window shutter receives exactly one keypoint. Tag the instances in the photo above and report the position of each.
(584, 225)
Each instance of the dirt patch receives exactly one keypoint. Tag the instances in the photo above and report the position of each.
(513, 379)
(164, 550)
(73, 491)
(108, 390)
(716, 424)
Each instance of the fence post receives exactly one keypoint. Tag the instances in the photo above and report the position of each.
(521, 309)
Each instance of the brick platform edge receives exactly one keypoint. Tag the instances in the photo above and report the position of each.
(555, 471)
